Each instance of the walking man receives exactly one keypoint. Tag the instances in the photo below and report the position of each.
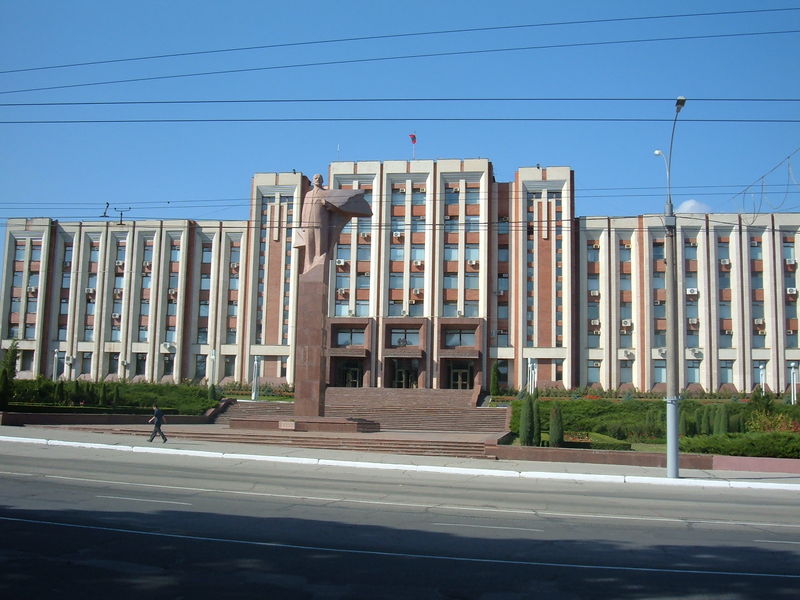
(157, 419)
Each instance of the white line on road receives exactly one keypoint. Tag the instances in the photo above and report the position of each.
(477, 509)
(13, 473)
(486, 527)
(145, 500)
(776, 542)
(194, 538)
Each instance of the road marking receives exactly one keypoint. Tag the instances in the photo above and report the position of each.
(478, 509)
(13, 473)
(331, 549)
(145, 500)
(487, 527)
(776, 542)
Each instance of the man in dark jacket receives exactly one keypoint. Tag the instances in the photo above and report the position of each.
(158, 419)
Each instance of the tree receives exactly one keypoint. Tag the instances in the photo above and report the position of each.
(721, 420)
(494, 387)
(525, 418)
(556, 427)
(212, 393)
(10, 360)
(6, 389)
(116, 395)
(103, 394)
(537, 424)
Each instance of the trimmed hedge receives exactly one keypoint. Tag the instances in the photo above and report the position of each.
(774, 445)
(112, 397)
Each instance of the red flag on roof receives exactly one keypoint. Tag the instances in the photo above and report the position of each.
(413, 138)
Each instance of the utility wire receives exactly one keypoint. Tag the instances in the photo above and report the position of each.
(403, 57)
(375, 100)
(397, 35)
(391, 119)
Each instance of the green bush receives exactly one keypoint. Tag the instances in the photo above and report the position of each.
(537, 423)
(184, 399)
(775, 445)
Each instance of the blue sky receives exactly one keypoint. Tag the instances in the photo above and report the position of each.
(202, 170)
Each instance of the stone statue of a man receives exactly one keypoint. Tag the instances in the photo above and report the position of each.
(324, 215)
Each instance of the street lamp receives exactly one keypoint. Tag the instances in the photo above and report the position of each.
(761, 370)
(55, 364)
(793, 379)
(670, 253)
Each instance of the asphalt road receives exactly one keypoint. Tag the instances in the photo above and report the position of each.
(85, 523)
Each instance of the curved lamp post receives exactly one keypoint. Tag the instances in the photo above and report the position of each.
(673, 361)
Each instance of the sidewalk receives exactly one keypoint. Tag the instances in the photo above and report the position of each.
(576, 472)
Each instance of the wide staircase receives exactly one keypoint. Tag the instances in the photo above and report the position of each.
(393, 409)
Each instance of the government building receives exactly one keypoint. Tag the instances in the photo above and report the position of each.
(453, 273)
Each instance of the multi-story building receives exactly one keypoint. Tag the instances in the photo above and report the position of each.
(453, 272)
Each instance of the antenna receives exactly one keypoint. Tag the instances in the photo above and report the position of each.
(120, 211)
(105, 211)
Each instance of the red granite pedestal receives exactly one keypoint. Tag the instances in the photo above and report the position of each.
(310, 367)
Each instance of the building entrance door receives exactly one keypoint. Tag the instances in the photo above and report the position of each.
(460, 379)
(352, 377)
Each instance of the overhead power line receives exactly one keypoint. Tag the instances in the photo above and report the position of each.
(391, 119)
(403, 57)
(375, 100)
(398, 35)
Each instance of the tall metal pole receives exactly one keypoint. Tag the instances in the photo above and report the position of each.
(254, 394)
(673, 358)
(793, 379)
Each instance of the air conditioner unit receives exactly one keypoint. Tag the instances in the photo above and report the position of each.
(234, 265)
(351, 313)
(403, 313)
(596, 364)
(691, 291)
(341, 291)
(595, 332)
(117, 292)
(412, 301)
(504, 219)
(500, 292)
(416, 291)
(502, 331)
(596, 246)
(754, 244)
(725, 262)
(758, 321)
(402, 190)
(147, 264)
(694, 321)
(791, 291)
(448, 217)
(728, 332)
(692, 244)
(66, 265)
(340, 262)
(396, 234)
(119, 263)
(31, 289)
(364, 235)
(455, 190)
(418, 263)
(594, 322)
(627, 323)
(472, 263)
(790, 332)
(626, 245)
(790, 261)
(166, 346)
(762, 332)
(594, 293)
(115, 316)
(657, 302)
(172, 291)
(89, 290)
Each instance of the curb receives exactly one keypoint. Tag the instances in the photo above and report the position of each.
(325, 462)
